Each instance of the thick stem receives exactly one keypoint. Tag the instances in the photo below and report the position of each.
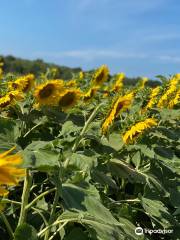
(25, 197)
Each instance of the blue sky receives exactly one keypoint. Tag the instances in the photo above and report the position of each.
(138, 37)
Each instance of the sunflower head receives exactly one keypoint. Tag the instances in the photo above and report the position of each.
(100, 75)
(23, 84)
(6, 100)
(69, 98)
(1, 72)
(136, 130)
(81, 75)
(90, 94)
(119, 82)
(120, 104)
(71, 83)
(142, 82)
(48, 93)
(10, 173)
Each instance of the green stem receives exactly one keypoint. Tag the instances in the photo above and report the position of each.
(90, 119)
(39, 197)
(56, 198)
(25, 197)
(5, 200)
(42, 232)
(8, 226)
(37, 125)
(79, 138)
(42, 216)
(60, 227)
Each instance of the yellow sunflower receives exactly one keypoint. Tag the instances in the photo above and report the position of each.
(10, 98)
(138, 129)
(6, 101)
(71, 83)
(121, 104)
(23, 84)
(119, 82)
(106, 91)
(175, 100)
(69, 98)
(100, 75)
(10, 174)
(172, 88)
(81, 75)
(90, 93)
(1, 73)
(153, 98)
(144, 80)
(48, 93)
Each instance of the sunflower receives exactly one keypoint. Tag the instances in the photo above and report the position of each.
(69, 98)
(100, 75)
(6, 101)
(48, 93)
(10, 98)
(175, 100)
(23, 84)
(172, 88)
(90, 94)
(138, 129)
(10, 174)
(106, 91)
(121, 104)
(153, 98)
(16, 95)
(143, 81)
(119, 82)
(1, 73)
(71, 83)
(81, 75)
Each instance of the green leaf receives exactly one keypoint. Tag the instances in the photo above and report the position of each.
(85, 200)
(98, 228)
(103, 179)
(158, 212)
(25, 231)
(114, 141)
(9, 133)
(40, 155)
(83, 162)
(122, 169)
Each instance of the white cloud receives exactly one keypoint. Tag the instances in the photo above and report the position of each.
(89, 55)
(92, 55)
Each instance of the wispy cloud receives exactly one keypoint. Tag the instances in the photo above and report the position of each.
(91, 55)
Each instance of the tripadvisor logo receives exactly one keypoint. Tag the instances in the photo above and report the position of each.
(138, 231)
(141, 231)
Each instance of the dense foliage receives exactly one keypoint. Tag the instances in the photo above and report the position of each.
(99, 158)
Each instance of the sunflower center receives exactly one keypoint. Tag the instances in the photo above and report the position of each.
(15, 85)
(26, 86)
(46, 91)
(67, 99)
(100, 77)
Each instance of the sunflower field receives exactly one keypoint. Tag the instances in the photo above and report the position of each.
(89, 158)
